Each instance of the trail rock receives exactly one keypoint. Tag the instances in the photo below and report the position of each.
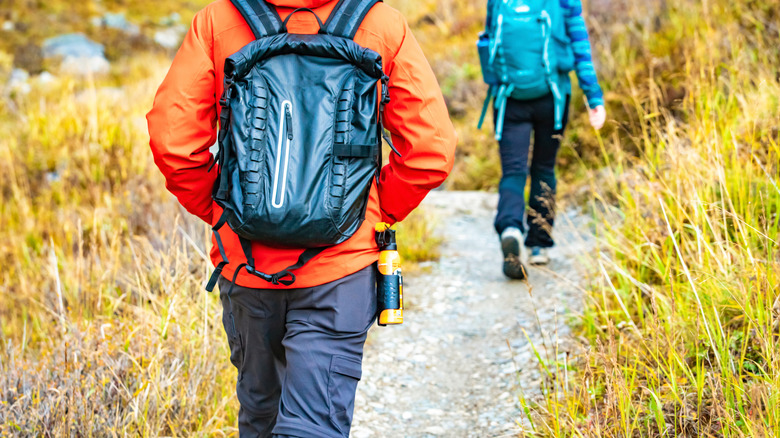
(79, 55)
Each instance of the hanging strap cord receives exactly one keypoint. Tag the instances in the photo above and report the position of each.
(305, 257)
(500, 103)
(385, 100)
(284, 277)
(490, 95)
(218, 270)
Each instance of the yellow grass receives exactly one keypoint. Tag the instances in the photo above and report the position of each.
(105, 328)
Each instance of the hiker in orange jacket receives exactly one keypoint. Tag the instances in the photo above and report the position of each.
(300, 350)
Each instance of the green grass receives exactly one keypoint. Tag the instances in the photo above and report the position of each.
(682, 318)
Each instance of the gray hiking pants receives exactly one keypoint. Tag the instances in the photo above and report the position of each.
(299, 353)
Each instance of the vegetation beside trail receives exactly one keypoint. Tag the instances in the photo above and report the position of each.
(105, 327)
(683, 317)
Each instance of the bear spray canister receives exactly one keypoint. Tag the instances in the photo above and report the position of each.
(390, 281)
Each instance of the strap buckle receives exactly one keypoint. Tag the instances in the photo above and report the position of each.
(385, 91)
(256, 273)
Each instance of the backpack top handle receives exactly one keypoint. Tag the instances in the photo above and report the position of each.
(284, 25)
(344, 21)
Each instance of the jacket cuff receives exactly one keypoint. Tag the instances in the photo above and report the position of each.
(595, 101)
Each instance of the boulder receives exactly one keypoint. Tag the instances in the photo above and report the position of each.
(80, 55)
(19, 82)
(117, 21)
(171, 37)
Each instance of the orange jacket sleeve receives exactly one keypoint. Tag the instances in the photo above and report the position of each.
(182, 122)
(421, 129)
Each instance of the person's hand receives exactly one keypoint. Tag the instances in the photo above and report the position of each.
(598, 116)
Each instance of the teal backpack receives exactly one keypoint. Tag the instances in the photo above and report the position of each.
(525, 54)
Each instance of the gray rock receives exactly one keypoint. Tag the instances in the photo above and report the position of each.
(46, 78)
(117, 21)
(170, 38)
(75, 45)
(171, 20)
(19, 82)
(80, 55)
(435, 430)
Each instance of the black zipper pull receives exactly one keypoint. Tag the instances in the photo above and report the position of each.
(288, 113)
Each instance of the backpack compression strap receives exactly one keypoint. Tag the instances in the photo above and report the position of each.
(347, 16)
(261, 17)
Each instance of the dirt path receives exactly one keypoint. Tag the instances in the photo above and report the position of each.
(455, 368)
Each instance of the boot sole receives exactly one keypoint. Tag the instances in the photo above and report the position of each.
(513, 267)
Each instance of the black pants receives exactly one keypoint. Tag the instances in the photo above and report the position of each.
(299, 353)
(523, 118)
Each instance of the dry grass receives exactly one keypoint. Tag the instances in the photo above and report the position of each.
(105, 327)
(683, 315)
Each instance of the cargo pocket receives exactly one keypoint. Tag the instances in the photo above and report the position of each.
(235, 341)
(342, 385)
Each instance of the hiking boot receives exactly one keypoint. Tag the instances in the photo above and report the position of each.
(539, 256)
(512, 247)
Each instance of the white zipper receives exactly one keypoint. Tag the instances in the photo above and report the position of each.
(277, 200)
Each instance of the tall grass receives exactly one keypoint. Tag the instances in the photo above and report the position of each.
(105, 328)
(104, 325)
(683, 318)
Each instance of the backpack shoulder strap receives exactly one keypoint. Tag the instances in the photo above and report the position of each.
(261, 17)
(347, 16)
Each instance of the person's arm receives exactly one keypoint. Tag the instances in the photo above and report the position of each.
(583, 59)
(421, 129)
(182, 122)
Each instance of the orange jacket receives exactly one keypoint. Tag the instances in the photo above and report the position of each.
(183, 122)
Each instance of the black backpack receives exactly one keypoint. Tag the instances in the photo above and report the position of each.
(300, 135)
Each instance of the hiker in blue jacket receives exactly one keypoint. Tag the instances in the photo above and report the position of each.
(527, 51)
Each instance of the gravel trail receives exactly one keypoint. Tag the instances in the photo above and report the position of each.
(456, 366)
